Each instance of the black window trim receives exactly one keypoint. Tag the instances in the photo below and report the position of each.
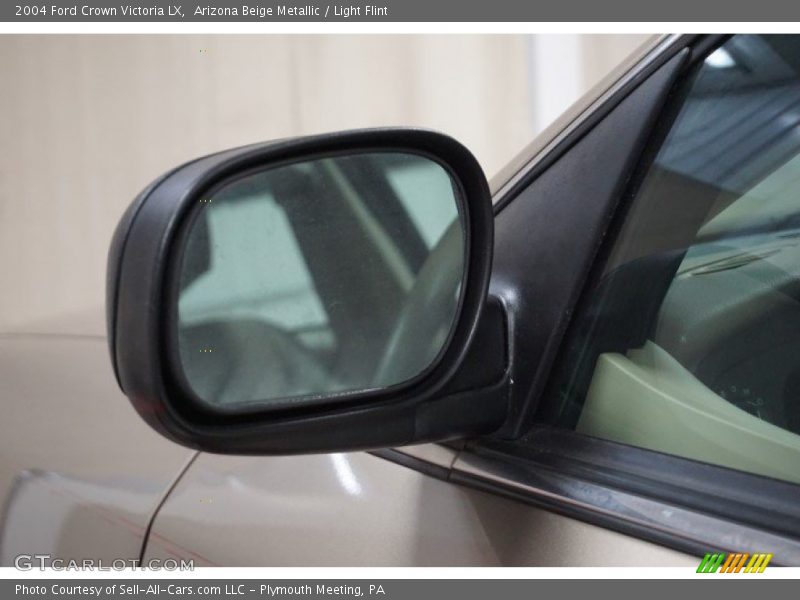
(684, 504)
(537, 157)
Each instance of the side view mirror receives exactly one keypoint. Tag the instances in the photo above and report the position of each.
(318, 294)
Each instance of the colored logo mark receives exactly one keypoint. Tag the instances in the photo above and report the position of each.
(734, 562)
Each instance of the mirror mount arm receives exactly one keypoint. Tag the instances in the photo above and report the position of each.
(476, 400)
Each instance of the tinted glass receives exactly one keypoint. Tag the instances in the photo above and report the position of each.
(690, 341)
(302, 280)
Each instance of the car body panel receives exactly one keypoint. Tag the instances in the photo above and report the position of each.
(356, 509)
(81, 474)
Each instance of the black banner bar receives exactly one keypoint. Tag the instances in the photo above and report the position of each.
(400, 11)
(731, 587)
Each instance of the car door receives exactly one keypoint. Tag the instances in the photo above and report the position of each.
(586, 470)
(670, 411)
(80, 475)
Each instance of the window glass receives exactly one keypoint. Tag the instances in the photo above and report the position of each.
(689, 342)
(330, 275)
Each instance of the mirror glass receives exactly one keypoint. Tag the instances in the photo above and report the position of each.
(315, 278)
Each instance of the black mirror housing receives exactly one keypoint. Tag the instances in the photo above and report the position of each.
(462, 393)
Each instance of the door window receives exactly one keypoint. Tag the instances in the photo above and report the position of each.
(689, 341)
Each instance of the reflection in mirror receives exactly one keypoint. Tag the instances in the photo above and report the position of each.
(314, 278)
